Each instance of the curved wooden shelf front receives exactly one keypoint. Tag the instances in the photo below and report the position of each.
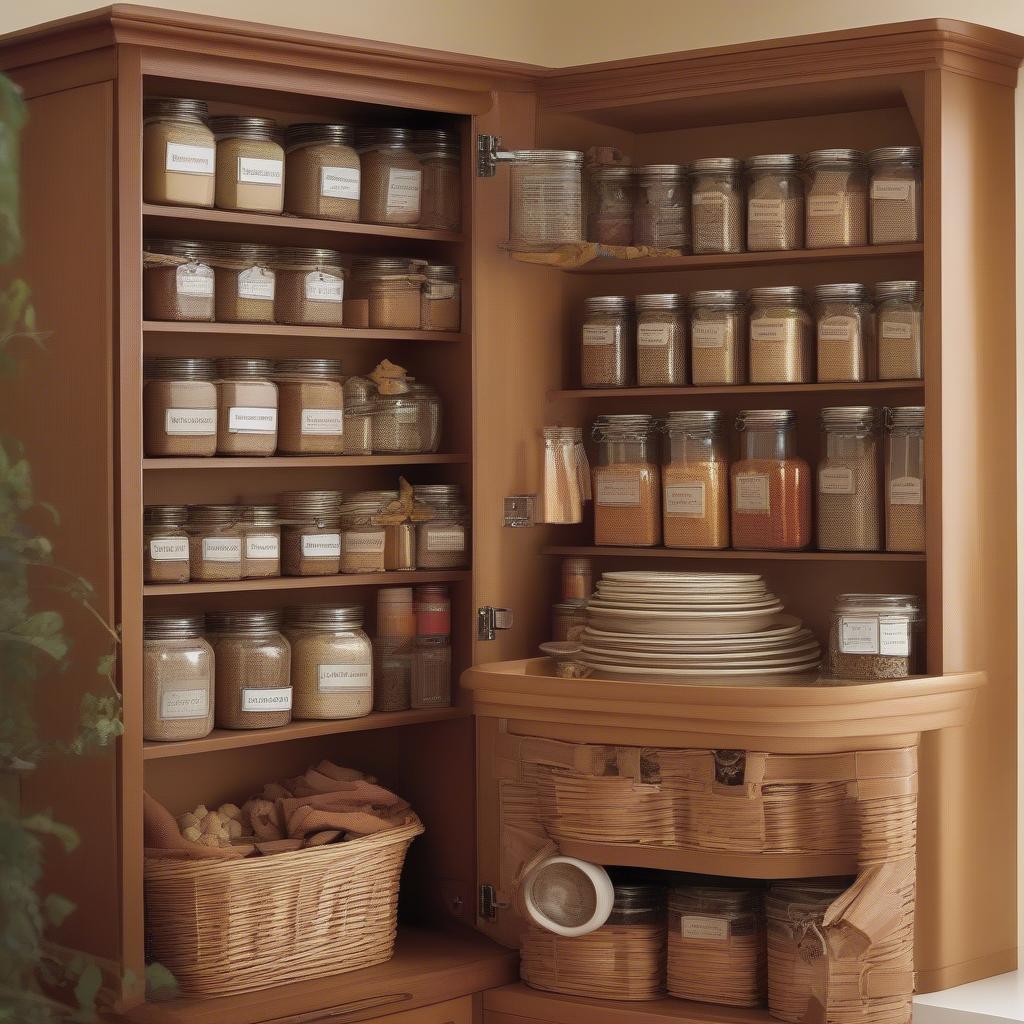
(794, 718)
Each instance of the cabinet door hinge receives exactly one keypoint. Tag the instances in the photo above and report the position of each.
(489, 620)
(489, 154)
(488, 908)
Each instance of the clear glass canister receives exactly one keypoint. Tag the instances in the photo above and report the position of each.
(443, 541)
(546, 198)
(332, 662)
(661, 328)
(392, 649)
(845, 320)
(577, 579)
(310, 532)
(431, 673)
(311, 399)
(179, 152)
(627, 486)
(566, 484)
(607, 342)
(440, 158)
(322, 172)
(849, 517)
(837, 199)
(718, 205)
(244, 283)
(876, 636)
(177, 280)
(261, 542)
(179, 407)
(408, 424)
(246, 407)
(215, 542)
(250, 164)
(385, 293)
(775, 202)
(253, 662)
(309, 287)
(363, 536)
(177, 678)
(392, 187)
(896, 206)
(695, 481)
(899, 311)
(718, 337)
(568, 619)
(781, 336)
(661, 207)
(358, 394)
(165, 554)
(441, 298)
(904, 479)
(610, 205)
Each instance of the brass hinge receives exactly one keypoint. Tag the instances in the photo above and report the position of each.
(489, 620)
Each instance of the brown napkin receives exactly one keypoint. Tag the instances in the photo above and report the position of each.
(163, 838)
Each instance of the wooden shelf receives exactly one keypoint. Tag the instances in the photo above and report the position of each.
(584, 551)
(861, 387)
(307, 462)
(306, 582)
(286, 331)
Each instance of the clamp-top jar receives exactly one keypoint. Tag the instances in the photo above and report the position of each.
(392, 185)
(781, 336)
(261, 542)
(661, 207)
(896, 206)
(845, 330)
(408, 424)
(545, 198)
(900, 307)
(244, 282)
(177, 678)
(179, 407)
(309, 287)
(875, 636)
(837, 199)
(310, 533)
(441, 299)
(385, 293)
(322, 172)
(717, 201)
(438, 153)
(165, 553)
(179, 156)
(250, 164)
(695, 481)
(312, 407)
(610, 205)
(661, 322)
(247, 407)
(215, 542)
(363, 536)
(442, 542)
(718, 337)
(848, 512)
(775, 202)
(627, 492)
(607, 342)
(177, 280)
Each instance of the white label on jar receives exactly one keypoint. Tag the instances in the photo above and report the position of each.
(694, 927)
(837, 328)
(195, 280)
(447, 538)
(685, 500)
(269, 699)
(169, 549)
(253, 171)
(824, 206)
(323, 288)
(836, 481)
(709, 334)
(768, 328)
(653, 334)
(906, 490)
(335, 678)
(708, 199)
(248, 419)
(892, 188)
(440, 290)
(222, 549)
(618, 490)
(403, 190)
(898, 331)
(323, 422)
(191, 700)
(858, 635)
(190, 159)
(256, 283)
(764, 211)
(598, 334)
(752, 493)
(262, 545)
(321, 545)
(339, 182)
(894, 636)
(190, 422)
(363, 543)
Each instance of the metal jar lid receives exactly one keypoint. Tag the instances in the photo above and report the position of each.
(305, 257)
(616, 304)
(435, 492)
(310, 133)
(885, 603)
(639, 897)
(329, 369)
(717, 165)
(182, 368)
(172, 627)
(380, 497)
(324, 616)
(390, 138)
(686, 421)
(384, 266)
(712, 898)
(164, 515)
(849, 417)
(833, 156)
(908, 290)
(244, 252)
(788, 162)
(174, 108)
(613, 172)
(310, 500)
(671, 302)
(263, 129)
(623, 426)
(440, 272)
(763, 419)
(663, 171)
(250, 622)
(214, 515)
(565, 157)
(717, 297)
(905, 416)
(245, 368)
(895, 154)
(432, 138)
(849, 292)
(188, 250)
(260, 515)
(787, 293)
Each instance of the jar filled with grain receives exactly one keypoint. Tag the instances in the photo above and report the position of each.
(261, 542)
(718, 337)
(246, 407)
(441, 298)
(250, 164)
(607, 342)
(627, 486)
(311, 399)
(718, 205)
(179, 152)
(845, 320)
(439, 156)
(577, 579)
(837, 199)
(568, 619)
(177, 280)
(321, 172)
(661, 207)
(545, 198)
(775, 202)
(896, 212)
(358, 393)
(781, 336)
(392, 186)
(244, 283)
(363, 537)
(332, 662)
(310, 533)
(215, 536)
(899, 310)
(661, 323)
(770, 484)
(431, 673)
(165, 544)
(179, 407)
(610, 205)
(408, 424)
(309, 287)
(849, 518)
(695, 481)
(177, 678)
(875, 636)
(253, 664)
(385, 293)
(904, 479)
(443, 541)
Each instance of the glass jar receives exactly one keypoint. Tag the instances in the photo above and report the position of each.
(899, 310)
(638, 904)
(566, 485)
(321, 172)
(443, 541)
(261, 547)
(215, 542)
(875, 636)
(246, 407)
(661, 322)
(695, 481)
(362, 535)
(781, 336)
(770, 484)
(904, 479)
(610, 205)
(607, 342)
(661, 207)
(310, 533)
(165, 551)
(392, 649)
(441, 299)
(250, 164)
(848, 512)
(385, 294)
(332, 662)
(392, 187)
(179, 407)
(627, 492)
(433, 608)
(311, 402)
(775, 202)
(177, 678)
(408, 424)
(358, 394)
(545, 198)
(253, 664)
(439, 156)
(431, 673)
(837, 199)
(177, 280)
(896, 207)
(718, 205)
(179, 157)
(244, 283)
(577, 579)
(309, 287)
(718, 337)
(568, 619)
(846, 332)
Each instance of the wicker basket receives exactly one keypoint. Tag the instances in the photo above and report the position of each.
(225, 927)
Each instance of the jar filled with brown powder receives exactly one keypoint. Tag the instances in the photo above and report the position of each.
(441, 298)
(309, 287)
(385, 294)
(627, 484)
(607, 342)
(845, 331)
(875, 636)
(363, 536)
(443, 541)
(179, 407)
(610, 205)
(849, 518)
(904, 479)
(311, 419)
(661, 322)
(718, 205)
(310, 533)
(177, 280)
(215, 542)
(244, 283)
(775, 202)
(896, 205)
(250, 164)
(322, 172)
(261, 542)
(545, 198)
(718, 337)
(177, 678)
(246, 407)
(179, 159)
(392, 185)
(661, 209)
(781, 336)
(900, 307)
(439, 156)
(358, 393)
(695, 481)
(837, 199)
(165, 551)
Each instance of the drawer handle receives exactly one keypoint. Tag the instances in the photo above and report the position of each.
(335, 1013)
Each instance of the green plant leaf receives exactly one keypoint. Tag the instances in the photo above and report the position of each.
(57, 908)
(160, 981)
(44, 824)
(86, 989)
(106, 665)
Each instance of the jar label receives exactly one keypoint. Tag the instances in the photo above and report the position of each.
(262, 546)
(253, 171)
(222, 549)
(343, 678)
(752, 494)
(277, 698)
(403, 190)
(190, 159)
(894, 636)
(190, 700)
(685, 500)
(322, 422)
(696, 927)
(190, 422)
(256, 283)
(837, 328)
(339, 182)
(709, 334)
(653, 334)
(906, 490)
(363, 543)
(887, 635)
(194, 279)
(836, 480)
(765, 211)
(897, 331)
(769, 328)
(708, 199)
(599, 334)
(447, 538)
(323, 288)
(247, 419)
(169, 549)
(824, 206)
(900, 189)
(321, 545)
(440, 290)
(617, 489)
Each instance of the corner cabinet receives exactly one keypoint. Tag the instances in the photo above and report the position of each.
(947, 86)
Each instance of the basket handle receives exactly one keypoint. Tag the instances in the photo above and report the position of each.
(339, 1013)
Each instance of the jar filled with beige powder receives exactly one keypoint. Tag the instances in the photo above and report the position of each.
(845, 327)
(837, 199)
(441, 298)
(661, 209)
(718, 337)
(363, 536)
(250, 164)
(165, 544)
(849, 516)
(439, 156)
(246, 407)
(179, 158)
(179, 407)
(661, 328)
(900, 310)
(896, 200)
(309, 287)
(244, 283)
(781, 336)
(904, 479)
(310, 394)
(310, 533)
(443, 541)
(215, 542)
(392, 185)
(607, 342)
(610, 194)
(775, 202)
(261, 542)
(718, 205)
(177, 679)
(177, 280)
(385, 293)
(627, 481)
(322, 172)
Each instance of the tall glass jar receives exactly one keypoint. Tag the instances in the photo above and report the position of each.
(627, 491)
(392, 185)
(321, 172)
(899, 307)
(179, 407)
(246, 407)
(177, 280)
(770, 484)
(845, 321)
(439, 155)
(718, 204)
(310, 533)
(250, 164)
(310, 394)
(165, 553)
(718, 337)
(385, 293)
(837, 199)
(904, 479)
(363, 536)
(310, 287)
(244, 283)
(215, 542)
(610, 205)
(545, 198)
(179, 155)
(177, 678)
(661, 208)
(781, 336)
(896, 206)
(431, 673)
(358, 393)
(849, 518)
(775, 202)
(876, 636)
(261, 542)
(695, 481)
(607, 342)
(441, 298)
(392, 649)
(661, 322)
(565, 487)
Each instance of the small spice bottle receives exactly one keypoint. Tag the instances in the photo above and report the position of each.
(718, 337)
(775, 202)
(781, 336)
(545, 198)
(310, 395)
(577, 579)
(661, 208)
(261, 542)
(332, 662)
(837, 199)
(310, 533)
(661, 323)
(567, 620)
(443, 542)
(362, 534)
(321, 172)
(610, 205)
(695, 481)
(895, 194)
(250, 164)
(177, 280)
(177, 678)
(246, 407)
(899, 309)
(875, 636)
(718, 205)
(179, 407)
(441, 298)
(441, 202)
(385, 294)
(408, 424)
(433, 608)
(904, 479)
(431, 673)
(392, 183)
(165, 552)
(607, 342)
(392, 649)
(215, 542)
(845, 320)
(244, 283)
(309, 287)
(253, 663)
(179, 159)
(627, 485)
(849, 518)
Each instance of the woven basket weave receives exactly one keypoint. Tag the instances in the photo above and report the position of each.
(225, 927)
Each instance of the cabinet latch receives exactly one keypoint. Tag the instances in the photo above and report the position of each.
(520, 510)
(489, 620)
(488, 155)
(488, 909)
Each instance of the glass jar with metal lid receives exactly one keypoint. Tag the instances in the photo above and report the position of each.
(430, 684)
(215, 542)
(661, 207)
(179, 158)
(837, 199)
(876, 636)
(718, 337)
(250, 164)
(439, 155)
(261, 542)
(246, 407)
(332, 662)
(899, 309)
(661, 323)
(177, 280)
(441, 299)
(627, 484)
(775, 202)
(392, 186)
(385, 293)
(849, 518)
(408, 424)
(322, 172)
(165, 544)
(244, 282)
(718, 205)
(545, 198)
(695, 481)
(896, 206)
(358, 395)
(311, 398)
(310, 287)
(904, 479)
(177, 678)
(399, 537)
(607, 342)
(310, 533)
(781, 336)
(253, 669)
(179, 407)
(362, 534)
(845, 327)
(610, 205)
(442, 542)
(567, 620)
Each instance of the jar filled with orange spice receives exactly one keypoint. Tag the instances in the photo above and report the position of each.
(695, 481)
(627, 489)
